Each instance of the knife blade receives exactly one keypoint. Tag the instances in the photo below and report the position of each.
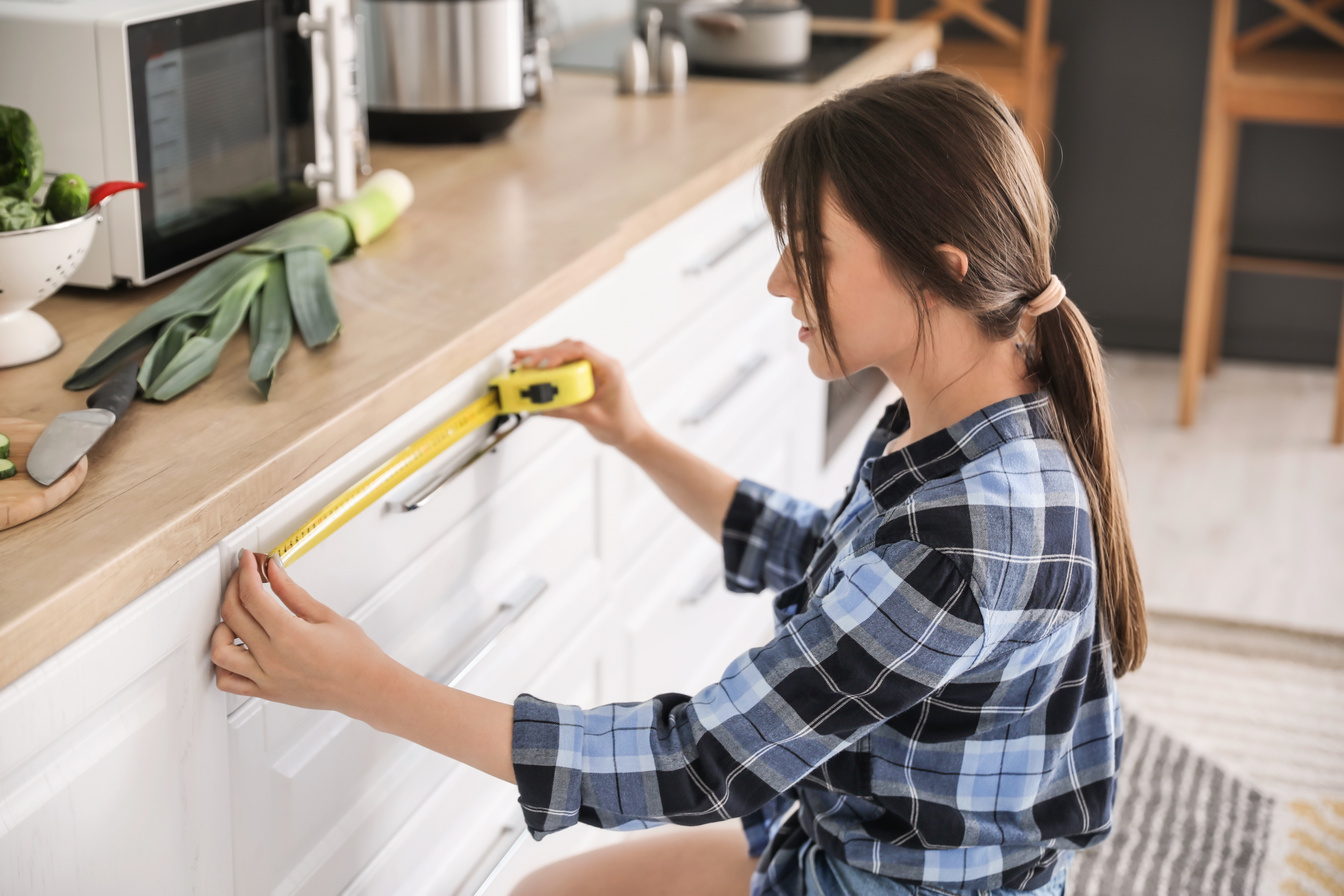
(70, 436)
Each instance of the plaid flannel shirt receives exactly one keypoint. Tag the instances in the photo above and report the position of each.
(937, 703)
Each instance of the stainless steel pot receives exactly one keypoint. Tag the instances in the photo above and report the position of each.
(752, 35)
(443, 70)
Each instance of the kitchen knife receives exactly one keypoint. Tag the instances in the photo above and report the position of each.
(70, 436)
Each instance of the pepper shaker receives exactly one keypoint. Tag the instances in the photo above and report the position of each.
(672, 64)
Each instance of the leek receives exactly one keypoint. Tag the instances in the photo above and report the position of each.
(276, 281)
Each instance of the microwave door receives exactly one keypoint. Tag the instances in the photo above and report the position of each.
(222, 101)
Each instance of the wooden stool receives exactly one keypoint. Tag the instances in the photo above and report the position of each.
(1016, 63)
(1249, 81)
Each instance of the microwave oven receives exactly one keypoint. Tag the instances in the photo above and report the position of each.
(236, 114)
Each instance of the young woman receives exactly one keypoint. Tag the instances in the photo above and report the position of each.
(936, 712)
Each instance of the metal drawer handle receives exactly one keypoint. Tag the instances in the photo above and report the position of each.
(421, 498)
(702, 588)
(505, 616)
(736, 381)
(510, 838)
(715, 256)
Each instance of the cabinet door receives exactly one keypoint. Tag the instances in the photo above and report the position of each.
(113, 755)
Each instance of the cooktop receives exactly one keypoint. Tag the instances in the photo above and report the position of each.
(597, 51)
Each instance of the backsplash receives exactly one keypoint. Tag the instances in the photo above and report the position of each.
(561, 16)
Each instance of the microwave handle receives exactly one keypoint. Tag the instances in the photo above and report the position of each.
(361, 133)
(333, 31)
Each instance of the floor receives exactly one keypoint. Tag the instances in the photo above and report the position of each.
(1241, 516)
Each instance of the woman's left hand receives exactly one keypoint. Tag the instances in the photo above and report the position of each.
(315, 658)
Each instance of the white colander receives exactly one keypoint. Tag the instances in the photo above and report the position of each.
(34, 263)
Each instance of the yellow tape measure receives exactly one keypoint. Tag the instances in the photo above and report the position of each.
(516, 392)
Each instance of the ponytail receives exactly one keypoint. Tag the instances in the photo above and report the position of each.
(1069, 364)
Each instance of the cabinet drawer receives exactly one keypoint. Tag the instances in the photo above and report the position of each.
(471, 825)
(384, 533)
(714, 413)
(690, 260)
(316, 793)
(719, 371)
(681, 622)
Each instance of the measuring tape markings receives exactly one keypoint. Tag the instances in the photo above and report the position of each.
(382, 480)
(568, 384)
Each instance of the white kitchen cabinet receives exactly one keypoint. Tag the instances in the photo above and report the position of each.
(113, 757)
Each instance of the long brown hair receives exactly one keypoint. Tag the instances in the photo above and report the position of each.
(930, 157)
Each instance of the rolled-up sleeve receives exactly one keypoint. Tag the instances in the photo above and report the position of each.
(769, 537)
(900, 622)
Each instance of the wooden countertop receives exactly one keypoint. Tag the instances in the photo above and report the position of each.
(499, 235)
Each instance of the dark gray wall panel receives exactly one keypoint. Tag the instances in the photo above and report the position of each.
(1127, 124)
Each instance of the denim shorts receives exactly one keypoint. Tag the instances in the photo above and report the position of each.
(826, 877)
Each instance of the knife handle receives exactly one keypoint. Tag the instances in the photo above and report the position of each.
(115, 395)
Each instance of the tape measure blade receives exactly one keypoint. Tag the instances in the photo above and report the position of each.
(386, 477)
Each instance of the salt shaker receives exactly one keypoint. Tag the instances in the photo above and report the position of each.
(632, 68)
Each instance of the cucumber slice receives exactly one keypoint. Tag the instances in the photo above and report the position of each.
(7, 469)
(4, 446)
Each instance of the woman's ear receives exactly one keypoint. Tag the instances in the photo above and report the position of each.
(955, 259)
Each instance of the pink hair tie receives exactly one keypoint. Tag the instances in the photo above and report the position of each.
(1051, 296)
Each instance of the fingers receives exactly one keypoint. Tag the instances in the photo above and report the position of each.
(269, 614)
(233, 683)
(562, 352)
(238, 617)
(232, 660)
(300, 602)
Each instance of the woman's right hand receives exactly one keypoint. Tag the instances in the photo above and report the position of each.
(611, 415)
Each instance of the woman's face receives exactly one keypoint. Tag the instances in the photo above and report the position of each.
(873, 317)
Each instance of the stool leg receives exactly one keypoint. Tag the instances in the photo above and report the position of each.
(1208, 250)
(1035, 63)
(1217, 167)
(1338, 437)
(1229, 199)
(1048, 119)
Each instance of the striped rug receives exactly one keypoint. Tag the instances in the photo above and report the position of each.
(1233, 775)
(1183, 825)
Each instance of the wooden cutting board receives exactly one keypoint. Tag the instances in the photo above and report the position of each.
(21, 498)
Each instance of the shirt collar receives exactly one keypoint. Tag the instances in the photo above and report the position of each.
(896, 475)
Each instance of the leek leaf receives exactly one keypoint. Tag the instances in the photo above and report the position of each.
(310, 296)
(271, 327)
(171, 338)
(198, 295)
(199, 354)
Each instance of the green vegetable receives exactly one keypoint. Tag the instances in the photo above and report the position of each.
(20, 214)
(199, 295)
(67, 197)
(310, 295)
(4, 446)
(199, 354)
(281, 276)
(20, 154)
(270, 327)
(7, 469)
